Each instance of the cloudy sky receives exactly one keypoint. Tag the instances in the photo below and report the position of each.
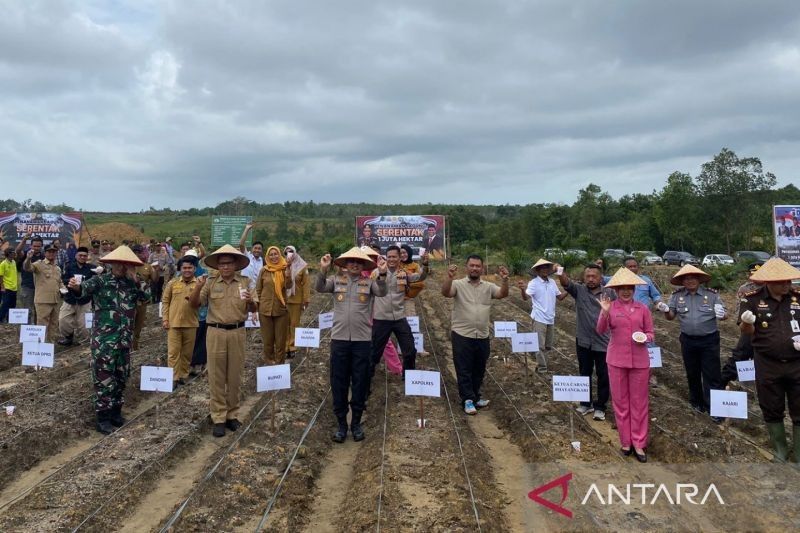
(126, 104)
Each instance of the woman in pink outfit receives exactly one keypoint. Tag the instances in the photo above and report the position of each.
(628, 361)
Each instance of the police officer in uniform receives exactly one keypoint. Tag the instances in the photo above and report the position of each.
(698, 309)
(149, 275)
(351, 336)
(771, 315)
(743, 351)
(229, 300)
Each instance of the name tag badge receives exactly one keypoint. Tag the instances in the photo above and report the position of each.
(795, 326)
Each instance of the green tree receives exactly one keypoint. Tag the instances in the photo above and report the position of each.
(676, 210)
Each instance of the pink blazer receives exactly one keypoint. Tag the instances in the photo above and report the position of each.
(623, 320)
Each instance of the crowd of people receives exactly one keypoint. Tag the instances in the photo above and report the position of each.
(206, 300)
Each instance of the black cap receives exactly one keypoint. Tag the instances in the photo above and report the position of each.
(137, 248)
(187, 259)
(82, 250)
(50, 248)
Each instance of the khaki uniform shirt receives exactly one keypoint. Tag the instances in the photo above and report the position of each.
(352, 304)
(265, 296)
(175, 304)
(47, 280)
(302, 290)
(471, 306)
(773, 336)
(225, 306)
(392, 306)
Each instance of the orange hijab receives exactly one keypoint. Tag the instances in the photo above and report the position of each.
(277, 270)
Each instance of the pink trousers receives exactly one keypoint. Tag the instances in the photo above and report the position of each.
(391, 359)
(631, 400)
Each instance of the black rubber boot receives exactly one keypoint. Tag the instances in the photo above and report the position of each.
(219, 430)
(104, 423)
(341, 432)
(777, 435)
(115, 417)
(355, 427)
(796, 443)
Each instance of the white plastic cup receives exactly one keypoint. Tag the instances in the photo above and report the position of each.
(242, 291)
(10, 410)
(78, 278)
(559, 271)
(576, 445)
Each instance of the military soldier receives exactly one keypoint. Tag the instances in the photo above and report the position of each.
(743, 351)
(351, 336)
(229, 300)
(698, 309)
(770, 314)
(180, 318)
(149, 275)
(114, 296)
(47, 280)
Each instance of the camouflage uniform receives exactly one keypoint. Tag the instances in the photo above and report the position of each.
(115, 302)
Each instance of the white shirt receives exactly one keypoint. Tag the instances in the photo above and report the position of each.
(253, 269)
(543, 292)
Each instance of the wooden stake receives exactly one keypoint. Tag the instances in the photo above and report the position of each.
(274, 401)
(421, 414)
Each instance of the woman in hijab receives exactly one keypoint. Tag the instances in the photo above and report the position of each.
(274, 280)
(298, 296)
(408, 264)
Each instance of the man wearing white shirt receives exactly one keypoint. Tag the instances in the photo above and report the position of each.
(544, 293)
(256, 256)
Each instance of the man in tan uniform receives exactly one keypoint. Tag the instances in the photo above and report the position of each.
(47, 299)
(228, 299)
(149, 275)
(180, 319)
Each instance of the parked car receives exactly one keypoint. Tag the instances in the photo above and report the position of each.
(673, 257)
(554, 253)
(750, 256)
(614, 253)
(651, 259)
(580, 254)
(714, 260)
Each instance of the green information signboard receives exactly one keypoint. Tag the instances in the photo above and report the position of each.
(228, 230)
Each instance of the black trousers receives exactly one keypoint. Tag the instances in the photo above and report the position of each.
(743, 351)
(7, 301)
(701, 361)
(349, 373)
(469, 358)
(776, 382)
(589, 362)
(200, 355)
(381, 331)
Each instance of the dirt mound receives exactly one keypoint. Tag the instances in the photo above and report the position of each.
(114, 231)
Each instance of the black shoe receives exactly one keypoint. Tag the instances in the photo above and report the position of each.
(717, 419)
(357, 431)
(181, 381)
(233, 424)
(642, 458)
(103, 423)
(341, 433)
(116, 418)
(219, 430)
(290, 355)
(193, 373)
(625, 452)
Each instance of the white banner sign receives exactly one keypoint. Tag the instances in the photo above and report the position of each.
(504, 329)
(306, 337)
(571, 389)
(325, 320)
(17, 316)
(655, 357)
(418, 344)
(273, 377)
(32, 333)
(88, 318)
(525, 342)
(156, 379)
(37, 354)
(423, 383)
(728, 404)
(413, 321)
(746, 370)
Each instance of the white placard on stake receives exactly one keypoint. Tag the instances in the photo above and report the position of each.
(88, 318)
(38, 354)
(746, 370)
(17, 316)
(728, 404)
(423, 383)
(413, 322)
(306, 337)
(325, 320)
(571, 389)
(419, 345)
(273, 377)
(504, 329)
(525, 342)
(160, 309)
(156, 379)
(655, 356)
(32, 333)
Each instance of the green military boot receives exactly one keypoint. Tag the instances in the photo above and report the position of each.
(777, 435)
(796, 443)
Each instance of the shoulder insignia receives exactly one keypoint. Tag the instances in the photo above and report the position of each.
(751, 292)
(713, 291)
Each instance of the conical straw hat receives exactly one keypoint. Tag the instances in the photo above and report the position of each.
(355, 253)
(370, 252)
(625, 278)
(122, 254)
(687, 270)
(212, 260)
(775, 269)
(540, 262)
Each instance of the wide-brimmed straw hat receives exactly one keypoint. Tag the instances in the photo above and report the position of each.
(624, 278)
(689, 270)
(539, 263)
(354, 253)
(122, 254)
(775, 269)
(212, 260)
